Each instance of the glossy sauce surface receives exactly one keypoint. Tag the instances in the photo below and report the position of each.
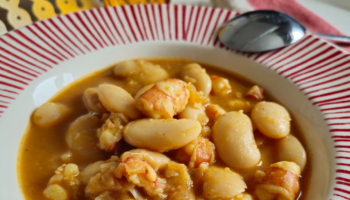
(42, 148)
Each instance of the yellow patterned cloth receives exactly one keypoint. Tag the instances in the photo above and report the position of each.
(17, 13)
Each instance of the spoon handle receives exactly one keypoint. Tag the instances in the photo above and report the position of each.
(334, 38)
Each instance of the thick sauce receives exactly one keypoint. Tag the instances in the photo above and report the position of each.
(42, 148)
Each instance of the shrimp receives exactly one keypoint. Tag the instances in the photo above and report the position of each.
(280, 180)
(164, 99)
(112, 132)
(179, 184)
(256, 93)
(64, 184)
(214, 111)
(197, 152)
(220, 86)
(142, 174)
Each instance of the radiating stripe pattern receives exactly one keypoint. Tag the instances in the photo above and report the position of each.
(319, 69)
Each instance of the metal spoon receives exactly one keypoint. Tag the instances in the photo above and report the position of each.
(265, 30)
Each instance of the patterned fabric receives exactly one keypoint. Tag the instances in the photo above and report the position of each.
(18, 13)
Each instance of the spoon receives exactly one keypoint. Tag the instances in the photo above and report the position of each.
(266, 30)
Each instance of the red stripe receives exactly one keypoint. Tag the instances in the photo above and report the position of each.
(324, 82)
(330, 113)
(331, 118)
(300, 57)
(93, 26)
(176, 21)
(36, 25)
(2, 106)
(341, 140)
(189, 21)
(341, 146)
(13, 79)
(341, 136)
(4, 102)
(16, 68)
(143, 24)
(132, 9)
(323, 72)
(61, 31)
(341, 196)
(208, 23)
(56, 36)
(155, 20)
(8, 97)
(343, 179)
(184, 22)
(335, 108)
(334, 124)
(342, 157)
(10, 85)
(343, 151)
(195, 23)
(9, 91)
(161, 19)
(330, 93)
(82, 32)
(226, 18)
(214, 28)
(109, 29)
(35, 44)
(310, 59)
(128, 21)
(309, 69)
(15, 74)
(149, 21)
(169, 23)
(120, 22)
(279, 50)
(330, 103)
(30, 49)
(340, 130)
(72, 32)
(342, 190)
(201, 23)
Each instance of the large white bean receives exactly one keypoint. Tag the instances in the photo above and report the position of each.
(50, 114)
(161, 134)
(116, 99)
(234, 140)
(222, 183)
(141, 71)
(290, 149)
(195, 74)
(82, 139)
(155, 159)
(272, 119)
(92, 102)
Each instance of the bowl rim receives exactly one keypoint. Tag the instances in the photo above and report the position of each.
(124, 25)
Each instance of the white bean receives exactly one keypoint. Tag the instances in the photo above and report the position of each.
(126, 68)
(161, 134)
(92, 102)
(116, 99)
(222, 183)
(195, 74)
(272, 120)
(234, 140)
(50, 114)
(290, 149)
(82, 139)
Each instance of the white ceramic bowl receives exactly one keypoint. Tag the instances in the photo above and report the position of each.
(309, 78)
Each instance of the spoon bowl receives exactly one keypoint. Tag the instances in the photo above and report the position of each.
(259, 31)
